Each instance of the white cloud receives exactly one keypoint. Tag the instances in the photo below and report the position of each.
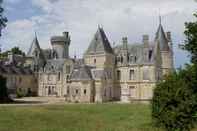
(81, 18)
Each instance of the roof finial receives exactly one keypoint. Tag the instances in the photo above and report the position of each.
(35, 34)
(159, 16)
(160, 19)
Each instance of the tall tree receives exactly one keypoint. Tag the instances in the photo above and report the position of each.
(191, 39)
(3, 19)
(3, 89)
(174, 104)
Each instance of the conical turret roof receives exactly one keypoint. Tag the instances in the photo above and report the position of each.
(162, 39)
(99, 44)
(34, 46)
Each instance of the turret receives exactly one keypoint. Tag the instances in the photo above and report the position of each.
(60, 45)
(145, 40)
(164, 39)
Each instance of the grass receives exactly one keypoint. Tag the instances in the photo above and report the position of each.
(77, 117)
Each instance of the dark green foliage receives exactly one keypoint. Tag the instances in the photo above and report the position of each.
(191, 39)
(3, 90)
(174, 102)
(3, 20)
(14, 50)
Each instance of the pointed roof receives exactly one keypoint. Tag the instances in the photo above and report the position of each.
(161, 38)
(34, 46)
(82, 73)
(99, 44)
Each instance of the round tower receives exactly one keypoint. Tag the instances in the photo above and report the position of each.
(60, 45)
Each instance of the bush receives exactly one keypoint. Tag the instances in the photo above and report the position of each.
(174, 102)
(3, 91)
(20, 93)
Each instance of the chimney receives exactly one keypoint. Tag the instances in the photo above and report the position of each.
(11, 57)
(168, 34)
(145, 39)
(66, 34)
(125, 42)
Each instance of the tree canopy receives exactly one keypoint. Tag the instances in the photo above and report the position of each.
(174, 104)
(3, 19)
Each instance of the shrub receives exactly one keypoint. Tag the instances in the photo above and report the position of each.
(20, 93)
(3, 91)
(174, 102)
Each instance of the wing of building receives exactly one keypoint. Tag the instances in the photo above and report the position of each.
(127, 72)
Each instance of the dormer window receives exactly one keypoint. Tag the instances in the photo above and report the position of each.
(150, 55)
(131, 59)
(135, 59)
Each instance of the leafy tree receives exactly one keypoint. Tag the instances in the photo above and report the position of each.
(14, 50)
(174, 104)
(191, 39)
(3, 91)
(3, 20)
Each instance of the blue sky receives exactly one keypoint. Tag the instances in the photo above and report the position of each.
(81, 17)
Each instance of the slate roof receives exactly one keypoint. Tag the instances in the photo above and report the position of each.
(54, 65)
(162, 39)
(99, 44)
(138, 51)
(15, 70)
(82, 73)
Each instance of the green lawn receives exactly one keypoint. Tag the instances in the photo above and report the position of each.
(78, 117)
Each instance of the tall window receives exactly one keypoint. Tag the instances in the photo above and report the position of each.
(85, 91)
(68, 70)
(59, 76)
(118, 75)
(94, 61)
(76, 91)
(146, 74)
(150, 55)
(68, 90)
(131, 75)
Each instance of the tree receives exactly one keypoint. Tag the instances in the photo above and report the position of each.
(174, 104)
(191, 39)
(3, 20)
(14, 50)
(3, 91)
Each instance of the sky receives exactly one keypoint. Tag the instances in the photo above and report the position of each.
(119, 18)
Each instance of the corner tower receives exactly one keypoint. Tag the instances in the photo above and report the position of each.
(99, 52)
(165, 44)
(60, 46)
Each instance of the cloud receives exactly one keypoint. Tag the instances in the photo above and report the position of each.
(81, 18)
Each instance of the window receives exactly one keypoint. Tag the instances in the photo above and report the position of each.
(146, 74)
(68, 90)
(118, 75)
(68, 70)
(132, 91)
(59, 76)
(85, 91)
(121, 59)
(131, 59)
(20, 79)
(94, 61)
(131, 75)
(76, 91)
(67, 78)
(135, 59)
(150, 55)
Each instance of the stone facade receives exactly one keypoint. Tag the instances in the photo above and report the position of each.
(127, 72)
(19, 80)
